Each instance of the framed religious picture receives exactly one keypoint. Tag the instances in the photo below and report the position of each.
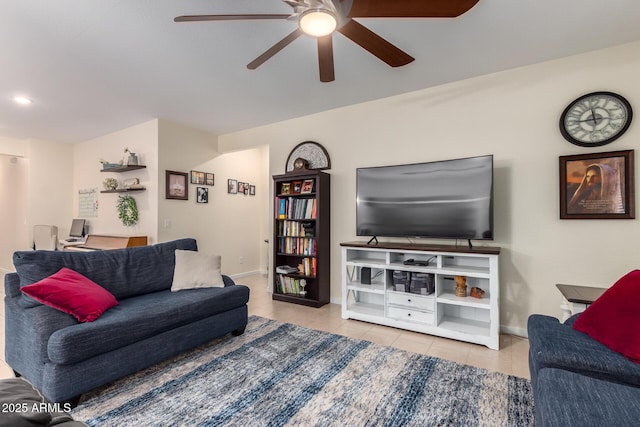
(597, 186)
(177, 185)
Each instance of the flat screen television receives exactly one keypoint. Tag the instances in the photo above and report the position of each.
(450, 199)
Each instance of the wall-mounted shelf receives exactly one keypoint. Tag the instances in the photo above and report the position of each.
(123, 190)
(123, 169)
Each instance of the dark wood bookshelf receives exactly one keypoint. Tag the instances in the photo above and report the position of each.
(301, 233)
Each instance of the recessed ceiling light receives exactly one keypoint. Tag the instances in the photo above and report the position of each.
(22, 100)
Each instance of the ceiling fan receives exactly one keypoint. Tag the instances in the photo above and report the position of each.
(321, 18)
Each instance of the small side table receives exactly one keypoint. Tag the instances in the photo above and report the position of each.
(576, 299)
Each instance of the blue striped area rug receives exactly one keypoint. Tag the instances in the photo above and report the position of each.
(278, 374)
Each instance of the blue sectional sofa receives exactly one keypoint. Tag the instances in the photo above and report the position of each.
(64, 358)
(578, 381)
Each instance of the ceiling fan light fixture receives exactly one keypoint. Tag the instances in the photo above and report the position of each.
(318, 22)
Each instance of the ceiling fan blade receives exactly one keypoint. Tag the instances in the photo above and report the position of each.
(274, 49)
(410, 8)
(375, 44)
(197, 18)
(325, 59)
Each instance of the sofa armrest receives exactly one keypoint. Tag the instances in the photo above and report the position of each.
(12, 285)
(228, 281)
(27, 333)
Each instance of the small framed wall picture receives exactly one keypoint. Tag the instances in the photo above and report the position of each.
(232, 186)
(202, 195)
(208, 180)
(177, 185)
(241, 187)
(307, 186)
(246, 188)
(252, 190)
(197, 177)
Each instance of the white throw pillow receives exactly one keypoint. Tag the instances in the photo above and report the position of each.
(196, 270)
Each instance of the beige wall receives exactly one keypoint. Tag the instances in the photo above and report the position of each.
(140, 139)
(512, 115)
(231, 225)
(35, 189)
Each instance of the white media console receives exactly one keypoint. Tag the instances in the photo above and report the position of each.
(441, 313)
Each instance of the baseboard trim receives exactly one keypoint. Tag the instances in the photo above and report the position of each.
(514, 331)
(247, 273)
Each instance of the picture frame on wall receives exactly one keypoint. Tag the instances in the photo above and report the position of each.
(232, 186)
(177, 185)
(241, 187)
(202, 195)
(209, 179)
(252, 190)
(246, 188)
(197, 177)
(597, 186)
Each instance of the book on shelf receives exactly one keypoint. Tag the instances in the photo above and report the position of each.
(289, 228)
(296, 208)
(297, 245)
(291, 285)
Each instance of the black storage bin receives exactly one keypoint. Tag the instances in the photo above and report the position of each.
(420, 281)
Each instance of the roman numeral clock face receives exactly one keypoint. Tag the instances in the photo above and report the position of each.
(595, 119)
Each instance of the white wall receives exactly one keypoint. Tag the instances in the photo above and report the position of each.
(512, 115)
(140, 139)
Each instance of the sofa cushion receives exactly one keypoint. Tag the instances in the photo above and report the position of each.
(613, 317)
(195, 270)
(72, 293)
(140, 317)
(123, 272)
(569, 399)
(556, 345)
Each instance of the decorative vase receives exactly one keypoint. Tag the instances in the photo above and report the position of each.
(132, 160)
(461, 286)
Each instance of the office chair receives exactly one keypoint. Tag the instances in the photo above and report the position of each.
(45, 237)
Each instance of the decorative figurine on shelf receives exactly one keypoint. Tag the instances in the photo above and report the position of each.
(133, 158)
(303, 283)
(461, 286)
(476, 292)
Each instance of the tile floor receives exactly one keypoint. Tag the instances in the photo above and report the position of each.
(512, 358)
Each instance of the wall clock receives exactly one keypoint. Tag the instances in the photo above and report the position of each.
(315, 155)
(596, 119)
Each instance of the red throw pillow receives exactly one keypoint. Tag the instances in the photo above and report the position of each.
(613, 318)
(72, 293)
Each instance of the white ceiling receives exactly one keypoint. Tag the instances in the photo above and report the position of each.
(93, 67)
